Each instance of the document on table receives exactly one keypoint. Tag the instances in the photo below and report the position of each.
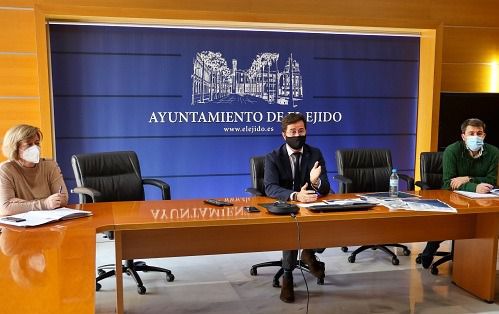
(386, 195)
(493, 194)
(40, 217)
(431, 205)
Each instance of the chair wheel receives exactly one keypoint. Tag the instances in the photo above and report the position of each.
(434, 271)
(98, 286)
(141, 290)
(407, 252)
(253, 271)
(344, 249)
(418, 259)
(320, 281)
(170, 277)
(100, 272)
(395, 261)
(351, 258)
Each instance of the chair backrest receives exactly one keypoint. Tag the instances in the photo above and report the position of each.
(257, 166)
(369, 169)
(116, 175)
(431, 170)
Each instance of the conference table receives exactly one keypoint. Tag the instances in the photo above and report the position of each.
(52, 268)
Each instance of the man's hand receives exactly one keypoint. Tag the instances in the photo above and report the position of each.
(456, 182)
(315, 173)
(306, 196)
(484, 188)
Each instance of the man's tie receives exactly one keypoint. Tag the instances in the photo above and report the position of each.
(296, 167)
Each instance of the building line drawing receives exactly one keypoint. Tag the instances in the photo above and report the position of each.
(214, 81)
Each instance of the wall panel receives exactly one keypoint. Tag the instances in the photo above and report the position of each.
(19, 84)
(468, 58)
(470, 44)
(466, 77)
(18, 75)
(17, 3)
(18, 110)
(466, 12)
(17, 31)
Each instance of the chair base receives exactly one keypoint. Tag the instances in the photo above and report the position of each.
(131, 268)
(280, 272)
(446, 257)
(382, 247)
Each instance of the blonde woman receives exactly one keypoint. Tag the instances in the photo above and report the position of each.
(28, 182)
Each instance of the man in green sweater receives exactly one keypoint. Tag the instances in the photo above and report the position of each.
(468, 165)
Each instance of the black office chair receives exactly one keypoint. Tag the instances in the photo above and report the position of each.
(432, 179)
(257, 166)
(110, 177)
(368, 170)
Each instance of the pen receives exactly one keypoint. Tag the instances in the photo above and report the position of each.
(60, 189)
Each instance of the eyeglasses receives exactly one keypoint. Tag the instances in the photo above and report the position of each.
(294, 132)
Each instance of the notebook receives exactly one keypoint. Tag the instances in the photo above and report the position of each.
(341, 206)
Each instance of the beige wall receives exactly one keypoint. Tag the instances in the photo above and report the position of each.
(458, 42)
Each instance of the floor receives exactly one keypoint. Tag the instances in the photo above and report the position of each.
(223, 284)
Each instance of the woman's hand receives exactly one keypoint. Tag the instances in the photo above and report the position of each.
(53, 201)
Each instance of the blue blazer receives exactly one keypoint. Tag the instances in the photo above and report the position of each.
(278, 177)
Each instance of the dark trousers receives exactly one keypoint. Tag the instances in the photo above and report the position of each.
(290, 258)
(431, 248)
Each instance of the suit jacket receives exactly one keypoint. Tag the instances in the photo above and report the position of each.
(278, 176)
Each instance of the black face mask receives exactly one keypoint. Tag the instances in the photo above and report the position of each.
(296, 142)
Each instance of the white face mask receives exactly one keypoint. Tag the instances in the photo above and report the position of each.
(32, 154)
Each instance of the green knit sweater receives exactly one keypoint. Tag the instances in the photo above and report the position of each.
(457, 162)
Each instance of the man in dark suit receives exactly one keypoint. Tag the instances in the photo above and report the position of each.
(296, 172)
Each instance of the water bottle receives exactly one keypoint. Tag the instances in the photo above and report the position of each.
(394, 184)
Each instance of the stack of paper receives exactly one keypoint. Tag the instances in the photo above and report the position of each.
(40, 217)
(493, 194)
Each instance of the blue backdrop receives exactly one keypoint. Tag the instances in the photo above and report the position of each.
(196, 104)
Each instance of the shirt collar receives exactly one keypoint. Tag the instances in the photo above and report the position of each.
(292, 151)
(478, 155)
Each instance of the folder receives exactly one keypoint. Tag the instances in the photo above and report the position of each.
(41, 217)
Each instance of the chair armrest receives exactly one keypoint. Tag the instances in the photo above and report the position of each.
(343, 180)
(409, 180)
(94, 194)
(254, 192)
(422, 185)
(165, 187)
